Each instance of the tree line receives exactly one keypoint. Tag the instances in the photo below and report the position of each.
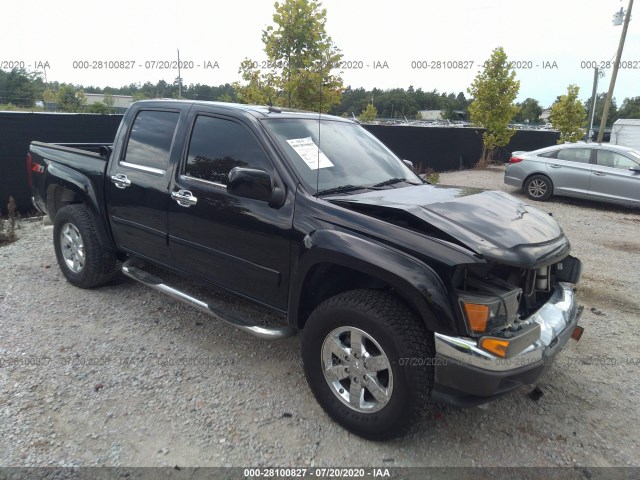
(19, 88)
(301, 73)
(23, 89)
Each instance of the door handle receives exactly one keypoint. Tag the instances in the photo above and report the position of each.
(184, 198)
(555, 166)
(121, 181)
(600, 174)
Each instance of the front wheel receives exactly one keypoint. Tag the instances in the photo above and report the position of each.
(369, 362)
(83, 259)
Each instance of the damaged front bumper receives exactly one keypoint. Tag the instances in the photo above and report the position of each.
(466, 375)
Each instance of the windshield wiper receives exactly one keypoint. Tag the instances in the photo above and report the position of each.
(340, 189)
(391, 181)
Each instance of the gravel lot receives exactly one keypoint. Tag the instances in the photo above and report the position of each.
(123, 376)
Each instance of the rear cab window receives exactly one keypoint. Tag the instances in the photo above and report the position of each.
(150, 139)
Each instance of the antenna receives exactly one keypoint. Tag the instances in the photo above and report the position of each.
(319, 143)
(179, 78)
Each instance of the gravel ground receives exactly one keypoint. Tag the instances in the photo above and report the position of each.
(123, 376)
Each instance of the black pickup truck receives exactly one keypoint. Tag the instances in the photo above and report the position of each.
(404, 291)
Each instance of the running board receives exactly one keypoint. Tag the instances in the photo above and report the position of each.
(132, 268)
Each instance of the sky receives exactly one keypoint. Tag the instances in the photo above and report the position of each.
(428, 44)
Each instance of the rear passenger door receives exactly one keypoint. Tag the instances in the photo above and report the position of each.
(240, 244)
(137, 193)
(611, 179)
(570, 171)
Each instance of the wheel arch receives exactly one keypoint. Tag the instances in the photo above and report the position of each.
(69, 187)
(538, 173)
(338, 262)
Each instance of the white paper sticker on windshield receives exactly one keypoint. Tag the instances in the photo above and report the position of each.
(310, 153)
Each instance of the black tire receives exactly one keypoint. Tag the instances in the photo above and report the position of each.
(84, 261)
(401, 338)
(538, 187)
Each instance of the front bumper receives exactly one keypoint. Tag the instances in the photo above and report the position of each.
(466, 375)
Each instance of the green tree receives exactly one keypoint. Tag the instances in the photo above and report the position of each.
(301, 56)
(568, 115)
(70, 99)
(369, 114)
(138, 96)
(99, 107)
(225, 97)
(530, 111)
(494, 90)
(109, 100)
(630, 108)
(597, 117)
(18, 87)
(49, 96)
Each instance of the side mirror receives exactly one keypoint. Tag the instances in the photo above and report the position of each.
(249, 183)
(635, 169)
(105, 151)
(256, 184)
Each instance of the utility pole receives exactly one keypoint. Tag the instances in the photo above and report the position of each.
(180, 78)
(594, 97)
(614, 74)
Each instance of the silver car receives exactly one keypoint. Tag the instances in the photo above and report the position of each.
(609, 173)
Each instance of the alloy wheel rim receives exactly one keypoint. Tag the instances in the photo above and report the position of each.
(72, 247)
(537, 188)
(357, 369)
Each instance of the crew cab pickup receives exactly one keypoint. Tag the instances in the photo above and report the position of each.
(404, 292)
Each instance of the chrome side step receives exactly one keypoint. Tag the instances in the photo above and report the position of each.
(132, 268)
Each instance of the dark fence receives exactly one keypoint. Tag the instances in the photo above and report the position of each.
(443, 149)
(440, 149)
(18, 129)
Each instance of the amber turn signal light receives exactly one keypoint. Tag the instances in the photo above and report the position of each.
(477, 316)
(577, 333)
(497, 346)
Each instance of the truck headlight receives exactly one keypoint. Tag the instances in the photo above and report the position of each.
(488, 313)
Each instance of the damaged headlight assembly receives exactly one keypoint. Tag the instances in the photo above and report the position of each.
(490, 307)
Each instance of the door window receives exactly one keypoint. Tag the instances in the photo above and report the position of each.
(218, 145)
(581, 155)
(150, 140)
(607, 158)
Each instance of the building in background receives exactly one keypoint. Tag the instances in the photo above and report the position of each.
(432, 115)
(626, 131)
(120, 102)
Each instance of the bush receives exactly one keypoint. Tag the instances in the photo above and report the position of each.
(430, 175)
(8, 225)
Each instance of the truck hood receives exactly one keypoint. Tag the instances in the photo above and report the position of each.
(493, 224)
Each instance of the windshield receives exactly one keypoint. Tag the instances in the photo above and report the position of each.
(329, 154)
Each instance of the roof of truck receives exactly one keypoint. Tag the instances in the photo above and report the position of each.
(255, 110)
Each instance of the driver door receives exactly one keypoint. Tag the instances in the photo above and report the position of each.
(240, 244)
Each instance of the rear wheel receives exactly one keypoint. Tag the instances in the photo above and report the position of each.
(84, 261)
(538, 187)
(368, 361)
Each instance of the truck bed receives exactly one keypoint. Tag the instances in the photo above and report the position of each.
(83, 164)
